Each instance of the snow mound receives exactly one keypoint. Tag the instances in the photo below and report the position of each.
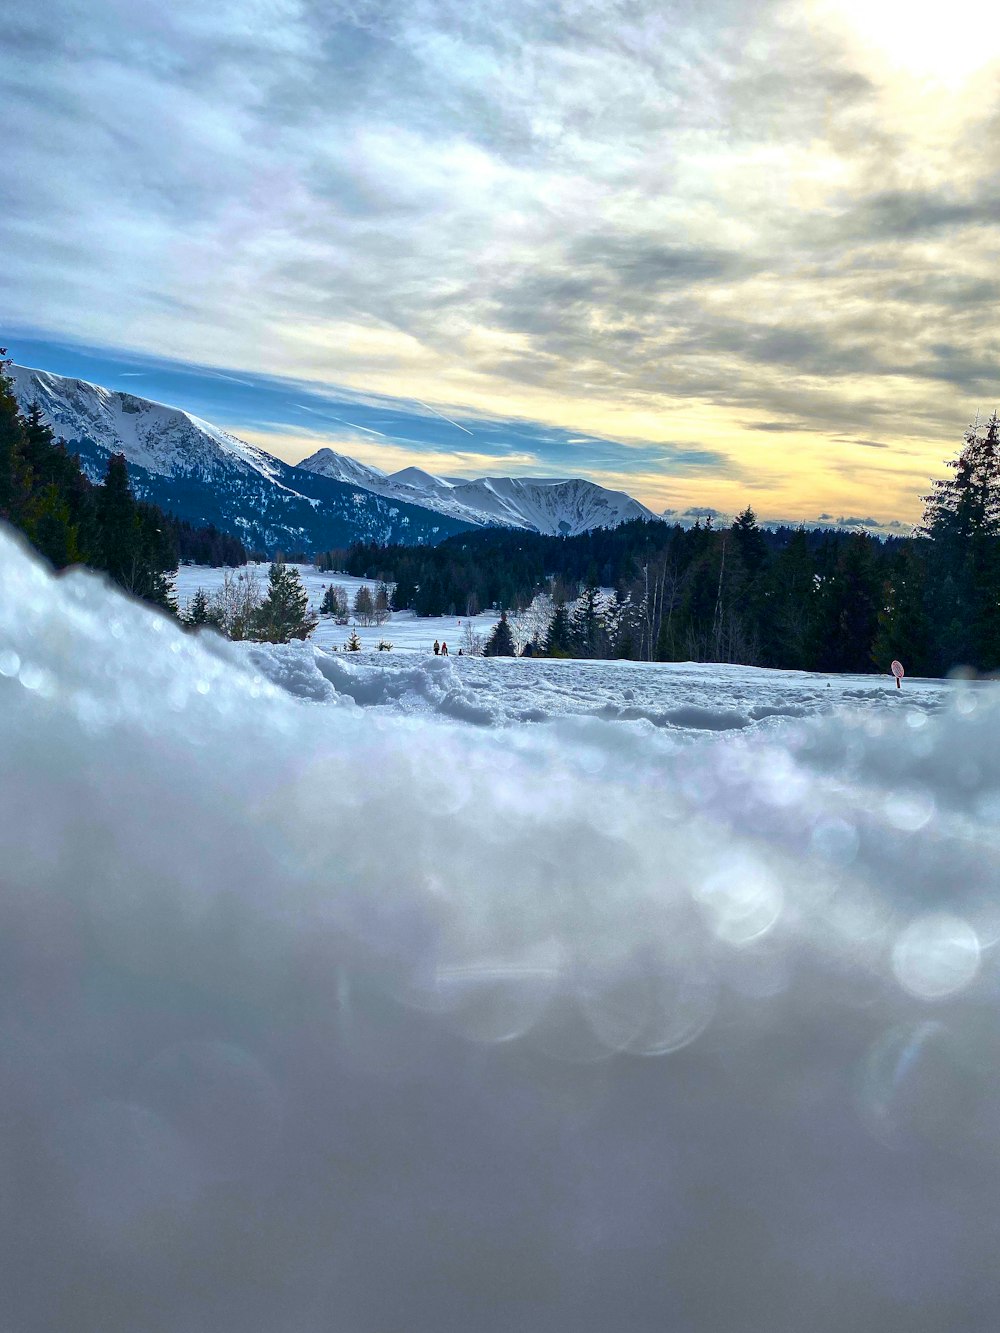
(325, 1017)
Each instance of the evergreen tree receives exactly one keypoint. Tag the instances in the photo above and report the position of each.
(558, 640)
(15, 474)
(789, 606)
(500, 642)
(750, 541)
(848, 609)
(335, 603)
(118, 524)
(904, 627)
(133, 544)
(586, 627)
(382, 606)
(962, 520)
(284, 613)
(404, 593)
(199, 611)
(353, 644)
(60, 504)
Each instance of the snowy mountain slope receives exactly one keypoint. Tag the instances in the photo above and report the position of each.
(162, 440)
(553, 506)
(342, 468)
(205, 475)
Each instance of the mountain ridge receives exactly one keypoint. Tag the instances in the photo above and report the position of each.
(205, 474)
(552, 506)
(198, 472)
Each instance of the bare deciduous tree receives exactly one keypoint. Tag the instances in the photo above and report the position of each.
(234, 607)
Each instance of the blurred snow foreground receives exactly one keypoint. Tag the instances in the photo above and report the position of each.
(325, 1017)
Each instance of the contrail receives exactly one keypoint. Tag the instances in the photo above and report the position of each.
(443, 417)
(327, 416)
(217, 375)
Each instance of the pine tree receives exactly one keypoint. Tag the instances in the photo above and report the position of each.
(848, 609)
(118, 524)
(962, 520)
(750, 541)
(967, 505)
(500, 642)
(789, 606)
(353, 644)
(558, 639)
(382, 605)
(586, 628)
(284, 613)
(199, 611)
(134, 545)
(904, 628)
(15, 475)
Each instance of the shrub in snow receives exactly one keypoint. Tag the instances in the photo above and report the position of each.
(235, 606)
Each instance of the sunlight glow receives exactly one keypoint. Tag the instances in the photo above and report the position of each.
(944, 43)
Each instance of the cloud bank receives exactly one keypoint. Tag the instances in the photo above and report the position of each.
(651, 221)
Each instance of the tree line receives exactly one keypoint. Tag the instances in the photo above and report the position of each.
(815, 600)
(791, 598)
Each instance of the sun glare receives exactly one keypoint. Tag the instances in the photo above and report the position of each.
(945, 43)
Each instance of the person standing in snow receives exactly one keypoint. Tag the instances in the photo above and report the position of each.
(437, 647)
(444, 650)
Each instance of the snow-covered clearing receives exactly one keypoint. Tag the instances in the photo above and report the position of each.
(404, 630)
(326, 1012)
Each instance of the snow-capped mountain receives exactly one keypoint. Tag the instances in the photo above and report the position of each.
(206, 475)
(554, 506)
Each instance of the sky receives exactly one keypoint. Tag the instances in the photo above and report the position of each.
(710, 253)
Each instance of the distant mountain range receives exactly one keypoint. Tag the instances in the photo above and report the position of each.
(553, 506)
(206, 475)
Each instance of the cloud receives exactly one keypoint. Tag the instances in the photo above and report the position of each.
(777, 427)
(634, 219)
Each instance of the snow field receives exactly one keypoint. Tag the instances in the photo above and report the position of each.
(322, 1016)
(404, 630)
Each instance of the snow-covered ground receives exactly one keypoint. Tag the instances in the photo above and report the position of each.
(322, 1008)
(687, 696)
(404, 630)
